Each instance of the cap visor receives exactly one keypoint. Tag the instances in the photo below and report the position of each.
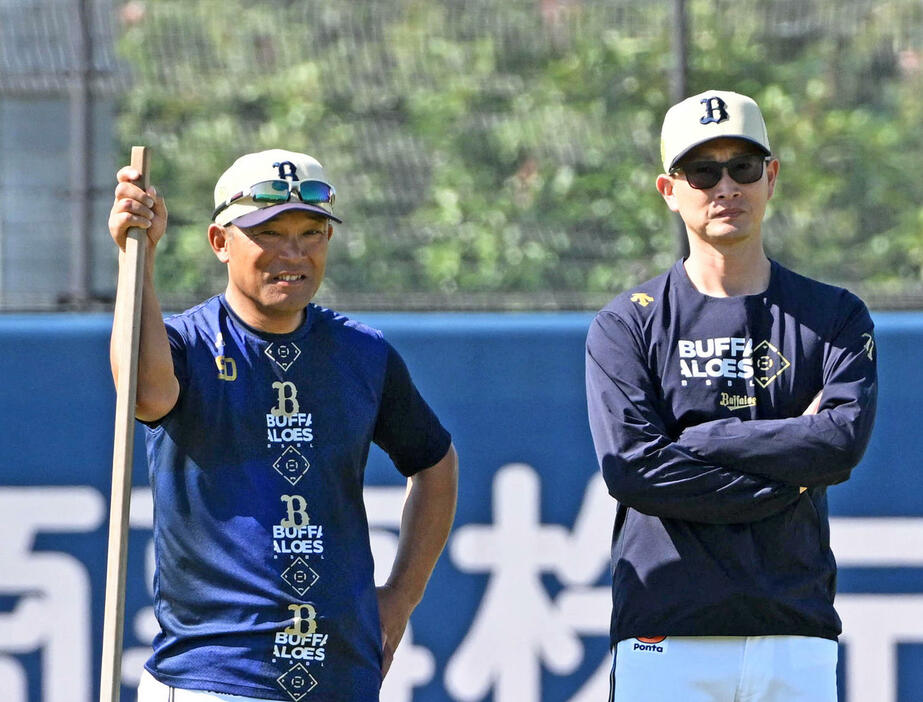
(742, 137)
(257, 217)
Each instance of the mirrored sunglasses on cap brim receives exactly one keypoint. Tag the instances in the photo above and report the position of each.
(310, 192)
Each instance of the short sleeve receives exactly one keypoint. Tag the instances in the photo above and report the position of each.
(178, 350)
(407, 429)
(178, 346)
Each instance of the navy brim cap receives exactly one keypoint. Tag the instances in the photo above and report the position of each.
(264, 214)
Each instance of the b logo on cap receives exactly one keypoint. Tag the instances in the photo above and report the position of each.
(286, 170)
(715, 110)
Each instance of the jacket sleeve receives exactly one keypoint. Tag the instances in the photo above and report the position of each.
(643, 467)
(808, 450)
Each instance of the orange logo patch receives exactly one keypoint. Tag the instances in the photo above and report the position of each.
(651, 639)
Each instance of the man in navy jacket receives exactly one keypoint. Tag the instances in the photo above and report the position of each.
(724, 396)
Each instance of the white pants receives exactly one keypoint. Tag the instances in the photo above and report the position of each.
(152, 690)
(725, 669)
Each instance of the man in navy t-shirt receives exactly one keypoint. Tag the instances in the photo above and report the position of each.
(724, 396)
(260, 408)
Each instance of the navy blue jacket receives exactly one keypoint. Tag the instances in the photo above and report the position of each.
(695, 405)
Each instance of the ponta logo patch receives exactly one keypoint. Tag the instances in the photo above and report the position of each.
(650, 644)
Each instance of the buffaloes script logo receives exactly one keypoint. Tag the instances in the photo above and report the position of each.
(286, 170)
(715, 110)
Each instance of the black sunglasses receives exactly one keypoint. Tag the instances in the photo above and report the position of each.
(703, 175)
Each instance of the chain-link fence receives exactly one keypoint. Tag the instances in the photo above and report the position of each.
(487, 154)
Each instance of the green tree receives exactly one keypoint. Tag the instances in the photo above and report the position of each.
(506, 151)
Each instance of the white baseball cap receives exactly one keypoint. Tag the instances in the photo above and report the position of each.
(235, 203)
(707, 116)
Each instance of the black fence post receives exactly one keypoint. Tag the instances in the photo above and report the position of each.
(678, 90)
(80, 154)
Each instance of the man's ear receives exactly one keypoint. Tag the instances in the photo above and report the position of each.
(772, 171)
(329, 229)
(218, 238)
(665, 188)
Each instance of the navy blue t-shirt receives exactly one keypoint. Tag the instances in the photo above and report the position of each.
(695, 406)
(264, 576)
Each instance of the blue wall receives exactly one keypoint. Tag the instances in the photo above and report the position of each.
(518, 606)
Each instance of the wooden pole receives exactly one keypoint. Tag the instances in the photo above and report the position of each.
(131, 279)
